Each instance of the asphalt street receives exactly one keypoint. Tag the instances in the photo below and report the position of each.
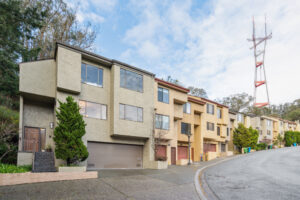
(176, 182)
(272, 174)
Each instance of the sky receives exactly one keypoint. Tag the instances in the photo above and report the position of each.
(201, 43)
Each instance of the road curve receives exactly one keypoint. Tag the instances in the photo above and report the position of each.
(271, 174)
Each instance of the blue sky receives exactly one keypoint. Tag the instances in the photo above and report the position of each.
(200, 43)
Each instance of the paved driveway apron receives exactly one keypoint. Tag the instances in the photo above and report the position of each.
(177, 182)
(272, 174)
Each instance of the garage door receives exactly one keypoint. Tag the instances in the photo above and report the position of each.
(105, 155)
(182, 152)
(209, 147)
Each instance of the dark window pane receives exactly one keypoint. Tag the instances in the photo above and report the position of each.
(83, 72)
(100, 82)
(160, 94)
(122, 78)
(92, 75)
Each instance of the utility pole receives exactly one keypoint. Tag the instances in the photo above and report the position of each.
(260, 78)
(189, 148)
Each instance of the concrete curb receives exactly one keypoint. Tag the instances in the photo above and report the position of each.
(197, 178)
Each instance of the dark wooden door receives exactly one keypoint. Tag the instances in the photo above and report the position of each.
(32, 139)
(173, 155)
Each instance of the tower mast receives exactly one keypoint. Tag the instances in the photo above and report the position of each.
(259, 49)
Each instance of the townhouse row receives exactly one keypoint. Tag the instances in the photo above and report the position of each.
(134, 120)
(268, 127)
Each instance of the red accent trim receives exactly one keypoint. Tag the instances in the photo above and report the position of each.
(172, 85)
(259, 105)
(208, 100)
(259, 83)
(196, 101)
(258, 64)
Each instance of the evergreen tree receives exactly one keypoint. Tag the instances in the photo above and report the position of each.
(244, 137)
(17, 24)
(68, 133)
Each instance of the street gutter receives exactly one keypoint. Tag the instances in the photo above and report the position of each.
(197, 178)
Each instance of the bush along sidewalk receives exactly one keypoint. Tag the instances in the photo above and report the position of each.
(6, 168)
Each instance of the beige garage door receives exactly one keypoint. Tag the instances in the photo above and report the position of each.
(105, 155)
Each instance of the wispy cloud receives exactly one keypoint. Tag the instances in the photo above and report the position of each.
(206, 46)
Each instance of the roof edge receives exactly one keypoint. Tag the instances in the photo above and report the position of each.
(172, 85)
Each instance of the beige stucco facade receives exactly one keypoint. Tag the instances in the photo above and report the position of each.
(44, 83)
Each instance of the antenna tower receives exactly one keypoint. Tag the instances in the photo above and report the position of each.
(259, 49)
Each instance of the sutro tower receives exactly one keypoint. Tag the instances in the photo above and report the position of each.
(259, 48)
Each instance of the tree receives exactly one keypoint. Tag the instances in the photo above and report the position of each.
(279, 140)
(237, 102)
(9, 125)
(61, 25)
(17, 23)
(244, 137)
(69, 132)
(199, 92)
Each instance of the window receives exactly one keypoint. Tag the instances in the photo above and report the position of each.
(223, 147)
(187, 108)
(93, 110)
(227, 131)
(269, 123)
(91, 75)
(260, 132)
(218, 130)
(185, 128)
(240, 118)
(210, 108)
(162, 122)
(269, 132)
(219, 113)
(163, 95)
(131, 80)
(210, 126)
(131, 113)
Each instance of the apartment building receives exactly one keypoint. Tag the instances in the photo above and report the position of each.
(214, 130)
(116, 101)
(170, 101)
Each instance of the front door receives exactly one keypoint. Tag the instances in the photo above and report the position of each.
(173, 155)
(32, 139)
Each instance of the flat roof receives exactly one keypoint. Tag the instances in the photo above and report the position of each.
(100, 58)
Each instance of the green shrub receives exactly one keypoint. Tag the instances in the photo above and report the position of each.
(261, 146)
(244, 137)
(6, 168)
(291, 137)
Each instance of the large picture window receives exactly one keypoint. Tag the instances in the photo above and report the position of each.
(162, 122)
(131, 80)
(92, 110)
(163, 95)
(185, 128)
(210, 109)
(187, 108)
(131, 113)
(91, 75)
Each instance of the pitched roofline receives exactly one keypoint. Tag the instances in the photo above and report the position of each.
(196, 101)
(211, 101)
(99, 57)
(172, 85)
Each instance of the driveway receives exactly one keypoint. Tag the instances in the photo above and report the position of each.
(272, 174)
(177, 182)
